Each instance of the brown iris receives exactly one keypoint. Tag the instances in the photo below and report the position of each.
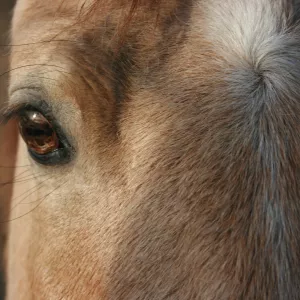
(38, 133)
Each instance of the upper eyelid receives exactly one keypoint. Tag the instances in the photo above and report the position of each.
(14, 110)
(30, 96)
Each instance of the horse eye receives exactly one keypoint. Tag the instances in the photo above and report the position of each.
(43, 143)
(38, 133)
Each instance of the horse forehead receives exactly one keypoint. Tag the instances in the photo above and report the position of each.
(27, 12)
(30, 7)
(207, 20)
(35, 21)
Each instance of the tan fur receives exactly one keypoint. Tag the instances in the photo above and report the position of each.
(166, 197)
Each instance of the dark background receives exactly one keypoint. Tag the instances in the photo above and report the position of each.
(6, 7)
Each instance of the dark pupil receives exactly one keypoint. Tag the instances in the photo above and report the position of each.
(38, 133)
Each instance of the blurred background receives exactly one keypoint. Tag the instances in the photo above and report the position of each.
(6, 7)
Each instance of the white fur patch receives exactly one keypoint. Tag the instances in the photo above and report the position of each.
(257, 42)
(245, 31)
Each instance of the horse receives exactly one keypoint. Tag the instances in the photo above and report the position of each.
(159, 150)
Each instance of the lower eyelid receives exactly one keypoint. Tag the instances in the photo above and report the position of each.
(58, 157)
